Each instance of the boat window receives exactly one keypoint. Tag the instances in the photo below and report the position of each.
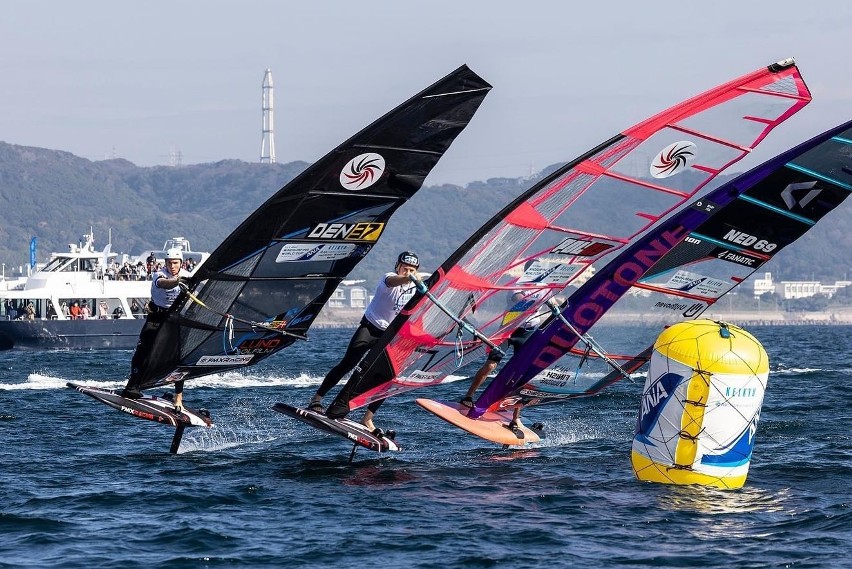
(9, 309)
(72, 266)
(65, 306)
(138, 307)
(107, 308)
(73, 308)
(54, 264)
(22, 308)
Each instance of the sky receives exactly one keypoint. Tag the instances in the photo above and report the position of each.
(143, 80)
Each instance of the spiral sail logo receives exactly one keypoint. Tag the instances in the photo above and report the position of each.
(673, 159)
(362, 171)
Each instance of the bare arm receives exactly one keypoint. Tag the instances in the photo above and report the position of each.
(396, 280)
(163, 282)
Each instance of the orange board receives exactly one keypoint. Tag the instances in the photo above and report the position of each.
(490, 426)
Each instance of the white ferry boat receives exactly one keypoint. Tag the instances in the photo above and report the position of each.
(84, 298)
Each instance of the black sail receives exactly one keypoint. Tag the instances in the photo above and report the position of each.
(263, 287)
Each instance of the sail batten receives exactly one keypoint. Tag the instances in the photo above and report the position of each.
(411, 150)
(717, 140)
(454, 93)
(778, 210)
(820, 176)
(646, 184)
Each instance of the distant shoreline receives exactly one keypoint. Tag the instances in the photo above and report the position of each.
(743, 318)
(344, 318)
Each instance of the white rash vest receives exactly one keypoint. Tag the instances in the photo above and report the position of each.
(388, 301)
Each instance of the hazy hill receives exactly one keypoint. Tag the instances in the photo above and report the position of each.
(57, 196)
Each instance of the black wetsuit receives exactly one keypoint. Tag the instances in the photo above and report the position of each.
(364, 338)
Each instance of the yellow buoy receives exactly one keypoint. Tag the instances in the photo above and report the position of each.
(700, 406)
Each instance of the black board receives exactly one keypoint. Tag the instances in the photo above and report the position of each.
(151, 408)
(350, 430)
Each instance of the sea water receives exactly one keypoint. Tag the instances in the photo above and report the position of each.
(82, 485)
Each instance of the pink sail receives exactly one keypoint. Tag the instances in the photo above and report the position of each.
(720, 240)
(556, 233)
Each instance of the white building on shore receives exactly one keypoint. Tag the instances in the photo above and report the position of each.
(349, 294)
(796, 289)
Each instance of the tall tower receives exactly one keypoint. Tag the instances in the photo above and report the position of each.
(267, 143)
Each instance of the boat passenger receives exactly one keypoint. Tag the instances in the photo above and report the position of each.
(164, 291)
(393, 292)
(149, 263)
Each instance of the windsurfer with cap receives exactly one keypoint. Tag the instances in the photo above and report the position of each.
(164, 291)
(393, 292)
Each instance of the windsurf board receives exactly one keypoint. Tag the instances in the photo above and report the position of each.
(346, 428)
(491, 426)
(152, 408)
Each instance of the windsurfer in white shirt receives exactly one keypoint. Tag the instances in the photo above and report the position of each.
(164, 291)
(392, 293)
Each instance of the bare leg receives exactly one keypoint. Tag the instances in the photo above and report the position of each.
(480, 376)
(516, 417)
(178, 399)
(367, 420)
